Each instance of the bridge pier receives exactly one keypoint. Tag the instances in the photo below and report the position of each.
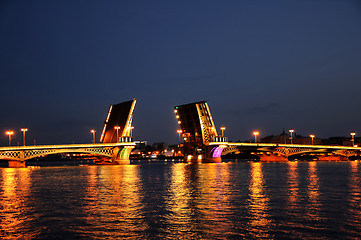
(332, 158)
(16, 164)
(272, 158)
(122, 155)
(212, 155)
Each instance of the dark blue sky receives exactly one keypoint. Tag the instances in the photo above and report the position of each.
(264, 65)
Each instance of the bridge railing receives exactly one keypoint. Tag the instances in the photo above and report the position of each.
(125, 139)
(220, 139)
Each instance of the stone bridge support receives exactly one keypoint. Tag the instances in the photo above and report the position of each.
(210, 154)
(16, 164)
(272, 157)
(332, 158)
(121, 155)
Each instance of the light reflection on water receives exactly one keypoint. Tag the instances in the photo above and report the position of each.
(259, 222)
(188, 201)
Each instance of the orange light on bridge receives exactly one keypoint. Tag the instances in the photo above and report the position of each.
(131, 131)
(312, 136)
(117, 128)
(93, 132)
(291, 132)
(255, 133)
(24, 130)
(353, 138)
(9, 133)
(179, 131)
(222, 129)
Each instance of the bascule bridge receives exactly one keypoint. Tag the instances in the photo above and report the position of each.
(115, 142)
(200, 139)
(201, 142)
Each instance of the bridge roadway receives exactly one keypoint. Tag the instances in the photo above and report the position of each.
(16, 156)
(283, 151)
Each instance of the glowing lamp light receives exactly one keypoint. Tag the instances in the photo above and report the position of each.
(222, 129)
(255, 133)
(93, 132)
(291, 132)
(117, 128)
(9, 133)
(24, 130)
(312, 136)
(353, 138)
(179, 131)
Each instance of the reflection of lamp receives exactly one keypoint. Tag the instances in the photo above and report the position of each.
(256, 133)
(9, 133)
(312, 136)
(93, 132)
(291, 132)
(24, 130)
(353, 138)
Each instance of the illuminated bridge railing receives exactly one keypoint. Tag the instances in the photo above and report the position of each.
(220, 139)
(125, 139)
(293, 146)
(66, 146)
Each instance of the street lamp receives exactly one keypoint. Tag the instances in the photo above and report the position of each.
(353, 138)
(179, 131)
(222, 129)
(312, 136)
(291, 132)
(256, 133)
(117, 128)
(9, 133)
(93, 132)
(131, 131)
(24, 130)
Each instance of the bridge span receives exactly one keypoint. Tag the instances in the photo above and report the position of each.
(116, 141)
(116, 152)
(281, 152)
(201, 143)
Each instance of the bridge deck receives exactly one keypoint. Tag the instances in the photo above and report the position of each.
(274, 145)
(66, 146)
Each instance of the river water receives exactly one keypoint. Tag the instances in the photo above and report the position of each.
(294, 200)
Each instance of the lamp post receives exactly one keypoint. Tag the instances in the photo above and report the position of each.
(256, 133)
(179, 131)
(24, 130)
(291, 132)
(131, 131)
(222, 129)
(312, 136)
(9, 133)
(353, 138)
(117, 128)
(93, 132)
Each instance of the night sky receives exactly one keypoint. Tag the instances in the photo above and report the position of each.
(261, 65)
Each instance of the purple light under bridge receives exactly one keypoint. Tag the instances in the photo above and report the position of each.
(217, 151)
